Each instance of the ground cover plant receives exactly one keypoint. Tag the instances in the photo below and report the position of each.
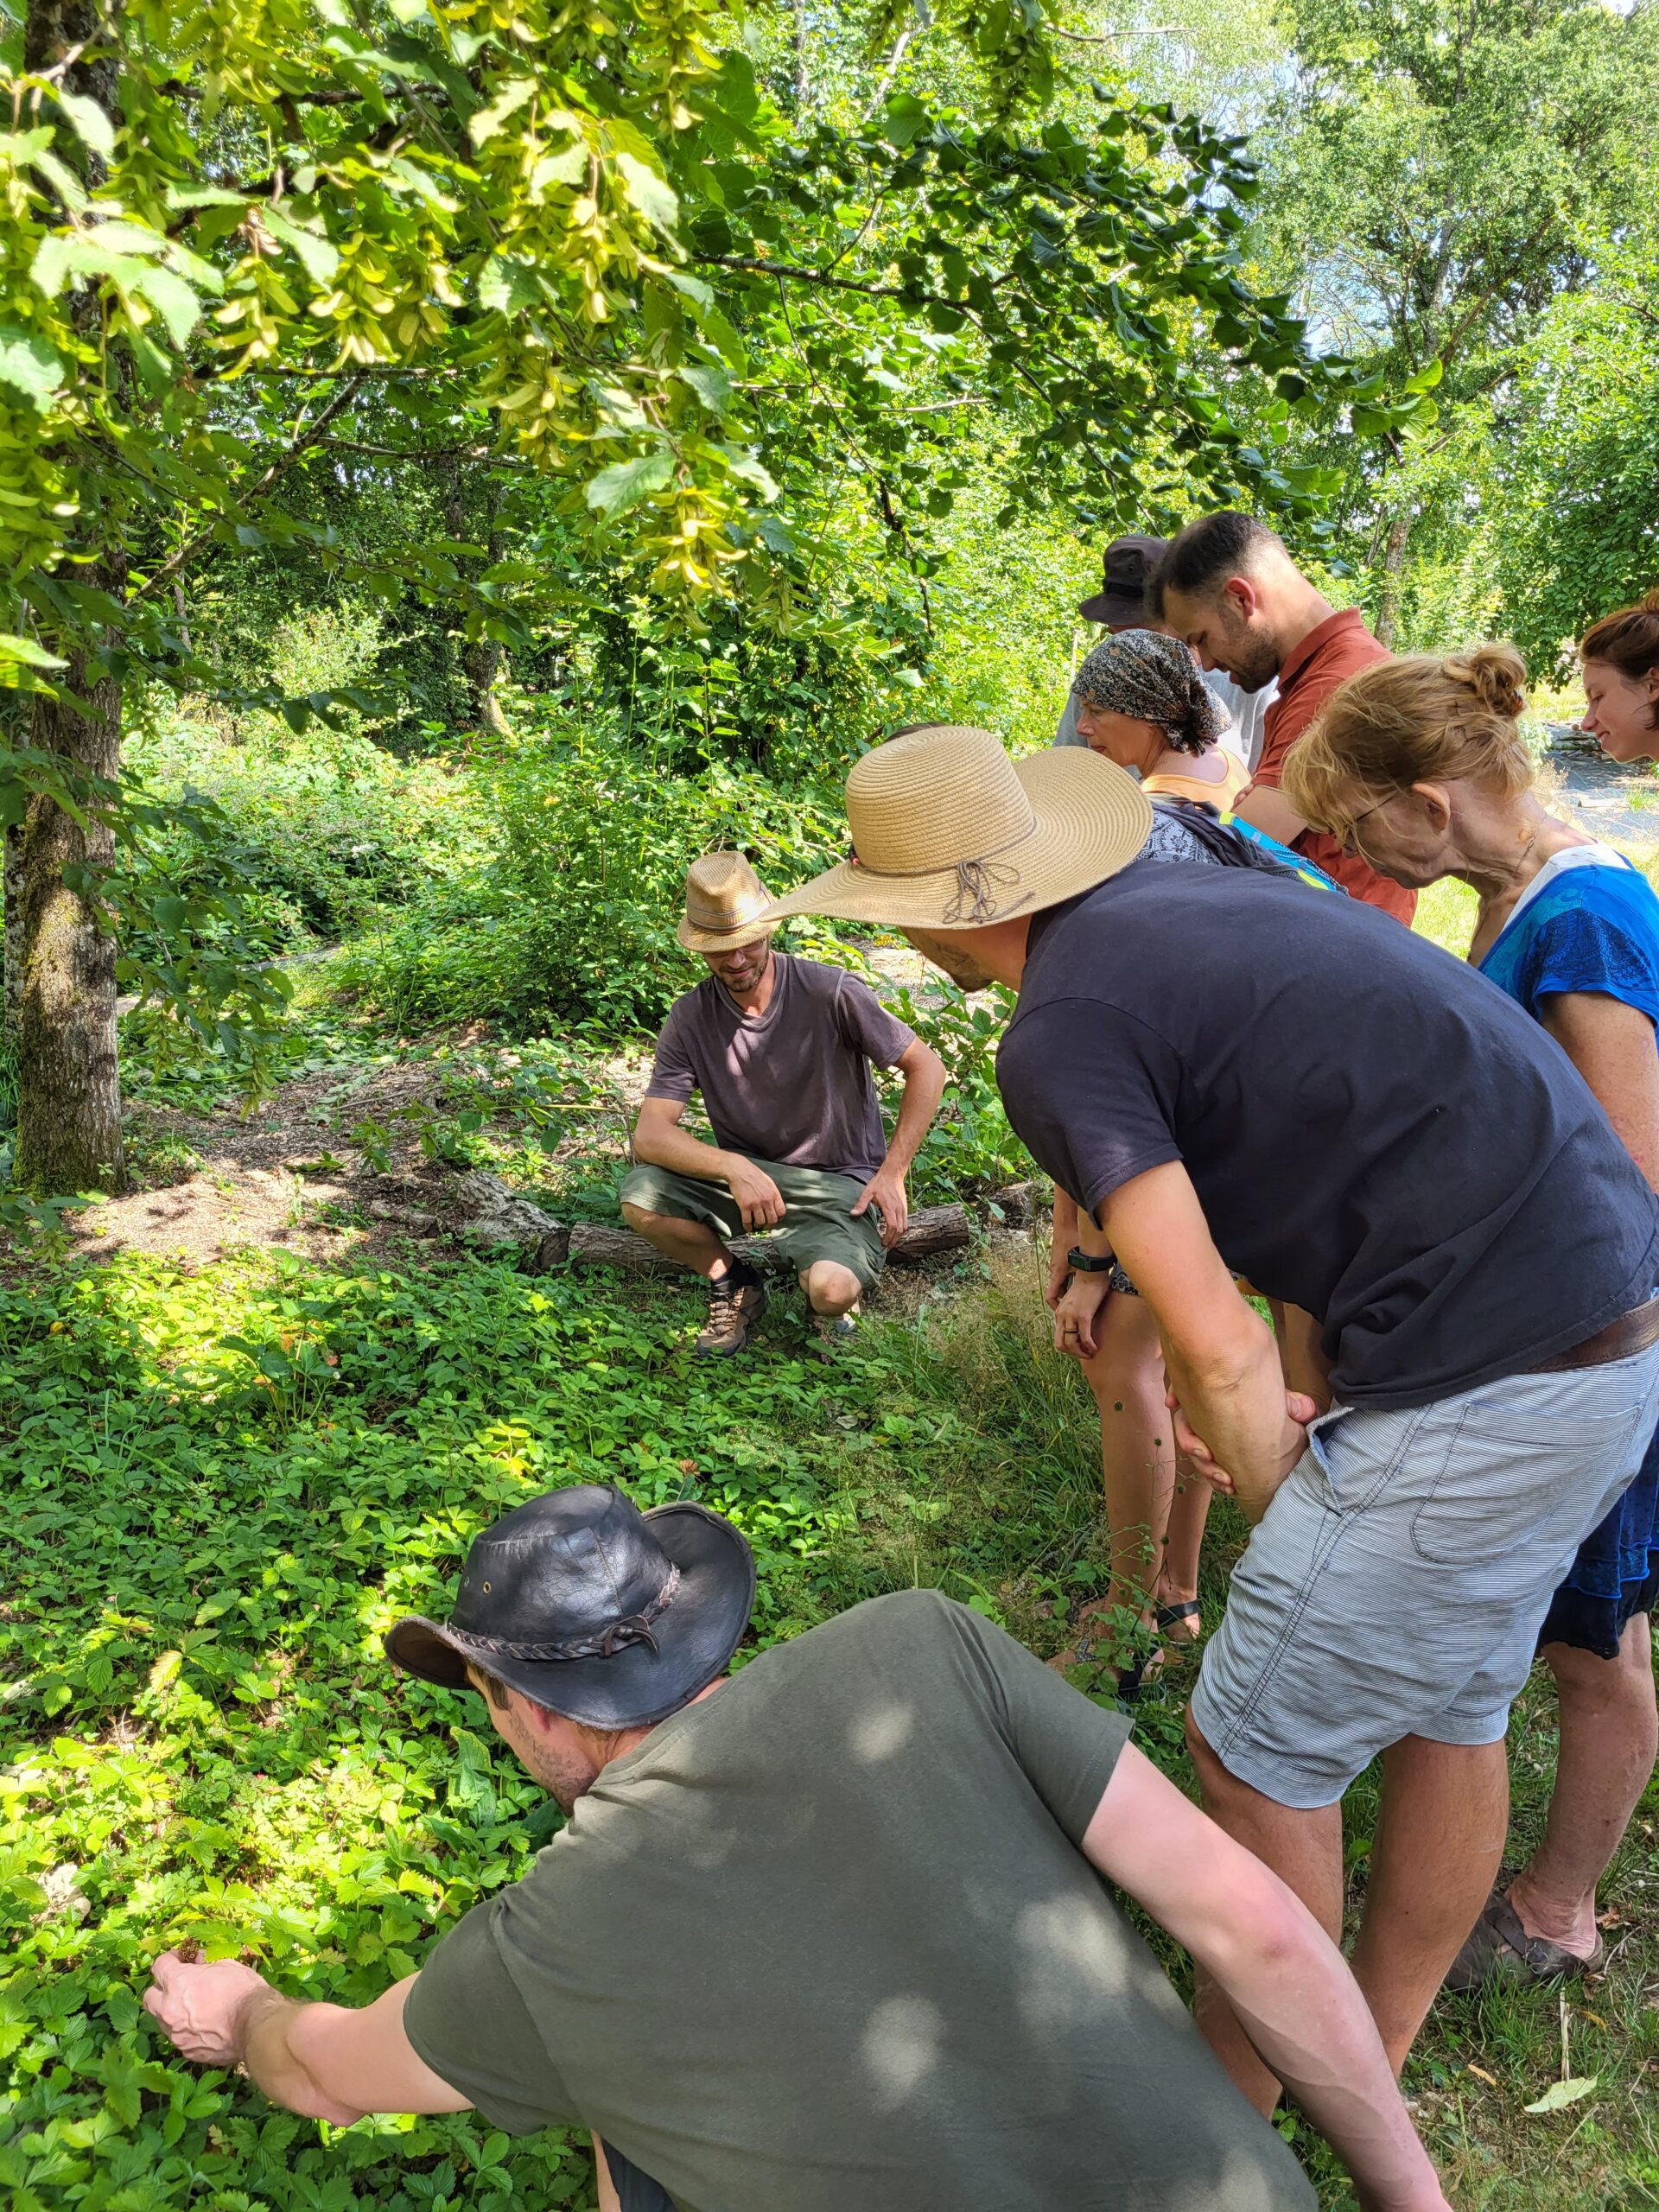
(225, 1485)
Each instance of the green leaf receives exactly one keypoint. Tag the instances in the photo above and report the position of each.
(30, 365)
(626, 482)
(26, 650)
(903, 119)
(1560, 2094)
(649, 193)
(505, 285)
(744, 464)
(484, 125)
(89, 123)
(569, 167)
(710, 382)
(172, 299)
(315, 254)
(181, 201)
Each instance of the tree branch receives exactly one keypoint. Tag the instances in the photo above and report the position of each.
(1110, 38)
(304, 437)
(781, 269)
(420, 452)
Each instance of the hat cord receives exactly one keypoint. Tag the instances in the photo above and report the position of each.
(975, 880)
(616, 1635)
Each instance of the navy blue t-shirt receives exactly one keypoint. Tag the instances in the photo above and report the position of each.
(1374, 1132)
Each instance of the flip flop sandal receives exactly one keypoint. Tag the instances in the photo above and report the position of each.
(1499, 1950)
(1187, 1609)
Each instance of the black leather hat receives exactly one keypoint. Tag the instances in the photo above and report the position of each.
(1122, 600)
(593, 1609)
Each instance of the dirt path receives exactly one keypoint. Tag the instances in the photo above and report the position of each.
(1603, 799)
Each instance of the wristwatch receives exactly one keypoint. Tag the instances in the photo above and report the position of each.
(1091, 1263)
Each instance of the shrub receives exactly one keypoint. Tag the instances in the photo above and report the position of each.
(320, 832)
(572, 918)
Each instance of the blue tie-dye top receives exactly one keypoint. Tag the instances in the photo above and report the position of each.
(1589, 922)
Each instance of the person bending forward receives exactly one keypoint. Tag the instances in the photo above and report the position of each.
(831, 1935)
(1423, 1171)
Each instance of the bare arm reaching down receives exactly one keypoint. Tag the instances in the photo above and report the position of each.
(924, 1074)
(1223, 1365)
(329, 2062)
(1284, 1978)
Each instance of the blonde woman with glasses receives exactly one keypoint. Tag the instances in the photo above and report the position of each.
(1418, 766)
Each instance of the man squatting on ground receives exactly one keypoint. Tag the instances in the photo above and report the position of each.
(781, 1050)
(1420, 1169)
(831, 1935)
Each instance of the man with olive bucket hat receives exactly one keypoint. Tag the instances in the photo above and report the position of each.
(781, 1050)
(1423, 1171)
(831, 1935)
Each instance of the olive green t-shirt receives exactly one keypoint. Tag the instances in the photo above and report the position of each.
(825, 1943)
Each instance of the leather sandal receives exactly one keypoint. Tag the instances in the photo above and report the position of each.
(1187, 1609)
(1498, 1949)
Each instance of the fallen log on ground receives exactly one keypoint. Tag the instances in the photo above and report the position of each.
(596, 1244)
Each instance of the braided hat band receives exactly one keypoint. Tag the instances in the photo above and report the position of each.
(615, 1636)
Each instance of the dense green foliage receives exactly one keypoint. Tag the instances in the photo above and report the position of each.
(206, 1742)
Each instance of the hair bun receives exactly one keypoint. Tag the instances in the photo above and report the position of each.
(1495, 674)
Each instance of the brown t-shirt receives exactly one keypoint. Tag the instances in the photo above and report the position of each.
(826, 1943)
(1340, 646)
(791, 1085)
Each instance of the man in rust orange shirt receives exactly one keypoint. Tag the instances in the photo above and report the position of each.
(1228, 586)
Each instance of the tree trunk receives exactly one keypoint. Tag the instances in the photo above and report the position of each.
(480, 657)
(69, 1101)
(1394, 563)
(481, 662)
(14, 900)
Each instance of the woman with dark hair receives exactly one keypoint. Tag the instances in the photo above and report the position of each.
(1141, 699)
(1620, 657)
(1418, 766)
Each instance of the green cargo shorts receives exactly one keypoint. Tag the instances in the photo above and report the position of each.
(817, 1224)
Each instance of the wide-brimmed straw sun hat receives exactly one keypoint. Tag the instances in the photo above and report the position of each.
(724, 900)
(593, 1609)
(949, 833)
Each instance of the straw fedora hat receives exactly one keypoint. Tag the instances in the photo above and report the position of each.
(725, 904)
(949, 833)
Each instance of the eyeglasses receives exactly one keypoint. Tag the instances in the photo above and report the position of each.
(1349, 842)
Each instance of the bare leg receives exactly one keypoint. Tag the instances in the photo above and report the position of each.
(1609, 1740)
(1439, 1844)
(830, 1288)
(1189, 1510)
(693, 1243)
(1137, 1446)
(609, 2199)
(1305, 1850)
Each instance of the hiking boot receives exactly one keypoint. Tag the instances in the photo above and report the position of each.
(735, 1303)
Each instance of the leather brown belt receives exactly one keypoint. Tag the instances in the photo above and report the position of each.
(1632, 1332)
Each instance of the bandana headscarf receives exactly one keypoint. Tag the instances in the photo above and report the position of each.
(1155, 679)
